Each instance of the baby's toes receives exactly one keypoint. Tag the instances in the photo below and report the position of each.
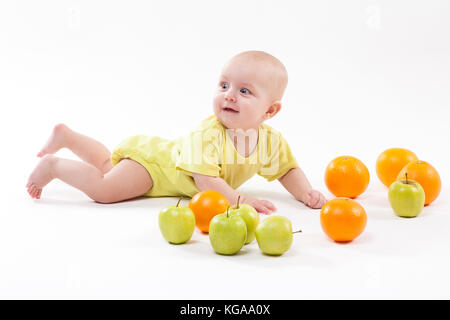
(31, 190)
(35, 194)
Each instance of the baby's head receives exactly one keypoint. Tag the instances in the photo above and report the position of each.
(250, 89)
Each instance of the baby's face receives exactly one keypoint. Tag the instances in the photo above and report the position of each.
(243, 95)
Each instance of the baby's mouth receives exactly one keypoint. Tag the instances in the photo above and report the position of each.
(231, 110)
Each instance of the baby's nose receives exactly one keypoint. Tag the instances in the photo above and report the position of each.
(229, 96)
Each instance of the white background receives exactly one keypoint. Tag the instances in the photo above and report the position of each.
(364, 76)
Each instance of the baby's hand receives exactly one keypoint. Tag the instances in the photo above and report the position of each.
(262, 206)
(314, 199)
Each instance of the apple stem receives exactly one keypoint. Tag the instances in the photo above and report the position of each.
(227, 211)
(179, 201)
(238, 201)
(406, 176)
(298, 231)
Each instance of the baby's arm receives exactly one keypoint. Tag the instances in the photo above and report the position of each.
(298, 185)
(204, 182)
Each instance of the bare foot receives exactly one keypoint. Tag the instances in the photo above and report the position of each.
(56, 140)
(40, 176)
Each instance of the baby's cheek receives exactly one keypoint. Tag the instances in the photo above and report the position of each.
(217, 103)
(250, 116)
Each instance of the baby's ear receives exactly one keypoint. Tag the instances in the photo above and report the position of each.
(273, 110)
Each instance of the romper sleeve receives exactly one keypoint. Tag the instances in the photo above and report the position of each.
(278, 158)
(200, 152)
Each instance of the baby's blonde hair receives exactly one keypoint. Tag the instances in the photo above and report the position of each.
(276, 71)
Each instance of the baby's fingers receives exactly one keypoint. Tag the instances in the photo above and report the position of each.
(320, 202)
(261, 208)
(315, 201)
(307, 200)
(269, 205)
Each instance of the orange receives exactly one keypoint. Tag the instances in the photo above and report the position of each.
(205, 205)
(391, 161)
(346, 176)
(426, 175)
(343, 219)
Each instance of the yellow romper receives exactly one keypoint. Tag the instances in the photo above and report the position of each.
(207, 150)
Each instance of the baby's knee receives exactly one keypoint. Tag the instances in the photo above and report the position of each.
(106, 166)
(103, 198)
(103, 194)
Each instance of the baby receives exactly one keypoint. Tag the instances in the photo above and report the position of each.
(224, 151)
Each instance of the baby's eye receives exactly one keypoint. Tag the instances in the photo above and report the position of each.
(224, 85)
(245, 91)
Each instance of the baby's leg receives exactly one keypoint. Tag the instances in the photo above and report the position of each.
(86, 148)
(128, 179)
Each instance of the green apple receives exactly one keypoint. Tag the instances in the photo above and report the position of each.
(406, 197)
(227, 233)
(177, 223)
(250, 216)
(274, 235)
